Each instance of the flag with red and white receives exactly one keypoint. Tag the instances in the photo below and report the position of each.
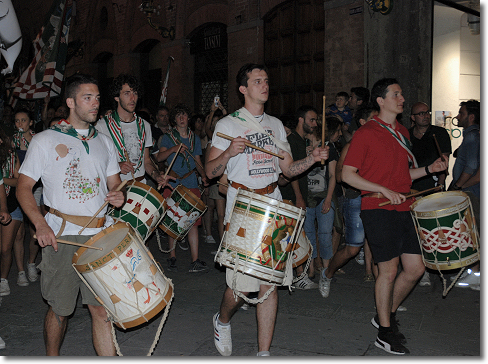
(164, 91)
(46, 71)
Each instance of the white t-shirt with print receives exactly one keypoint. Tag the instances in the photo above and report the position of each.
(74, 182)
(252, 168)
(131, 140)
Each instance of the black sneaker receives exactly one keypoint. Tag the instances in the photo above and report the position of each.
(389, 342)
(375, 321)
(172, 265)
(198, 266)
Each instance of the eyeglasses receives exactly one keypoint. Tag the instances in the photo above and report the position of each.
(423, 113)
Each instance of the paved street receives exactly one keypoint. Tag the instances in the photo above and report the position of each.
(307, 324)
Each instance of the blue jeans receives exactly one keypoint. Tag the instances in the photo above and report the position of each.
(353, 224)
(325, 223)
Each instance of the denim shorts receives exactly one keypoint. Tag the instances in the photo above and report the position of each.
(353, 223)
(17, 214)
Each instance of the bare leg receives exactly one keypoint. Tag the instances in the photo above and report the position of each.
(340, 258)
(336, 240)
(171, 243)
(384, 289)
(220, 213)
(368, 258)
(413, 269)
(54, 331)
(8, 236)
(229, 306)
(33, 246)
(208, 216)
(193, 241)
(101, 331)
(266, 317)
(19, 247)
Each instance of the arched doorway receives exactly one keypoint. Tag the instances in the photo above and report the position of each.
(208, 45)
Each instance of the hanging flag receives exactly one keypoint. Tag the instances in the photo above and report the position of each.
(164, 91)
(46, 71)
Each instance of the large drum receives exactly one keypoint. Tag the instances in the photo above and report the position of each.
(142, 209)
(259, 236)
(447, 230)
(124, 276)
(303, 248)
(182, 210)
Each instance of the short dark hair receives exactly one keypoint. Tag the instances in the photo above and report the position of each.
(242, 76)
(162, 107)
(25, 111)
(362, 113)
(473, 108)
(343, 94)
(193, 120)
(301, 112)
(75, 81)
(380, 89)
(362, 93)
(179, 108)
(121, 80)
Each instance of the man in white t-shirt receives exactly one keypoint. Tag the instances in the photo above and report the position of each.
(248, 168)
(131, 134)
(79, 172)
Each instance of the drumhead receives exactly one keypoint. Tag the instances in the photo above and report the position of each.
(107, 241)
(438, 201)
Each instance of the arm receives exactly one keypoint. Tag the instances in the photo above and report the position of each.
(291, 169)
(331, 188)
(282, 180)
(223, 187)
(438, 166)
(45, 235)
(471, 181)
(217, 158)
(200, 170)
(340, 163)
(14, 180)
(115, 198)
(164, 152)
(4, 214)
(299, 201)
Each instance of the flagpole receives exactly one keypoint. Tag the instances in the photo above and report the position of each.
(164, 90)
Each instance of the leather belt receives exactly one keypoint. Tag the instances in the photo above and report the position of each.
(97, 222)
(177, 176)
(380, 195)
(266, 190)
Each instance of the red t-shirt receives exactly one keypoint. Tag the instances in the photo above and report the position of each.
(380, 158)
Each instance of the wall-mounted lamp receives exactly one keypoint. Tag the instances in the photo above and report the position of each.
(149, 9)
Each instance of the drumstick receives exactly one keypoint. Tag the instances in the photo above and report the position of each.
(171, 164)
(119, 187)
(324, 125)
(194, 159)
(251, 146)
(127, 159)
(439, 151)
(413, 194)
(154, 163)
(72, 243)
(222, 184)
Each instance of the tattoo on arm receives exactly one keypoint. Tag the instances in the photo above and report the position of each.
(216, 170)
(300, 166)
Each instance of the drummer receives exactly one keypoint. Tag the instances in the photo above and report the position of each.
(79, 171)
(249, 168)
(377, 163)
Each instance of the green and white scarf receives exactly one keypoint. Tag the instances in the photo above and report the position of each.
(63, 126)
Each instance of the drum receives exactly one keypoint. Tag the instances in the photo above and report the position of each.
(303, 248)
(446, 229)
(124, 276)
(259, 236)
(182, 210)
(142, 209)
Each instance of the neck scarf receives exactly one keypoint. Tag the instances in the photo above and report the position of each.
(175, 137)
(403, 141)
(114, 126)
(20, 138)
(63, 126)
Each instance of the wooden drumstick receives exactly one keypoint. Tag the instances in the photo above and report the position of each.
(154, 163)
(127, 160)
(440, 152)
(171, 164)
(251, 146)
(324, 126)
(413, 194)
(223, 184)
(194, 159)
(72, 243)
(119, 187)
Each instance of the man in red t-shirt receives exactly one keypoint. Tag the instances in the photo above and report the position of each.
(380, 163)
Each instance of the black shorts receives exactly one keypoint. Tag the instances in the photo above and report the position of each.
(390, 233)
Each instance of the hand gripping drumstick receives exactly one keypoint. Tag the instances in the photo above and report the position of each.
(413, 195)
(171, 164)
(440, 152)
(194, 159)
(251, 146)
(324, 126)
(119, 187)
(127, 159)
(73, 243)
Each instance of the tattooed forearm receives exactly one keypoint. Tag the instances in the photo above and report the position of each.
(300, 166)
(216, 171)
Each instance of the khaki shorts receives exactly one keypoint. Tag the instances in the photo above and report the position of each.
(244, 282)
(60, 284)
(213, 192)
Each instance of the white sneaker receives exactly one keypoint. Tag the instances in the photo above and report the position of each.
(32, 272)
(324, 286)
(472, 279)
(2, 343)
(305, 283)
(222, 337)
(425, 280)
(360, 257)
(263, 353)
(210, 240)
(4, 287)
(22, 279)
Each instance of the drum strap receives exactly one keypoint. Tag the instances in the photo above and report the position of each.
(177, 176)
(97, 222)
(266, 190)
